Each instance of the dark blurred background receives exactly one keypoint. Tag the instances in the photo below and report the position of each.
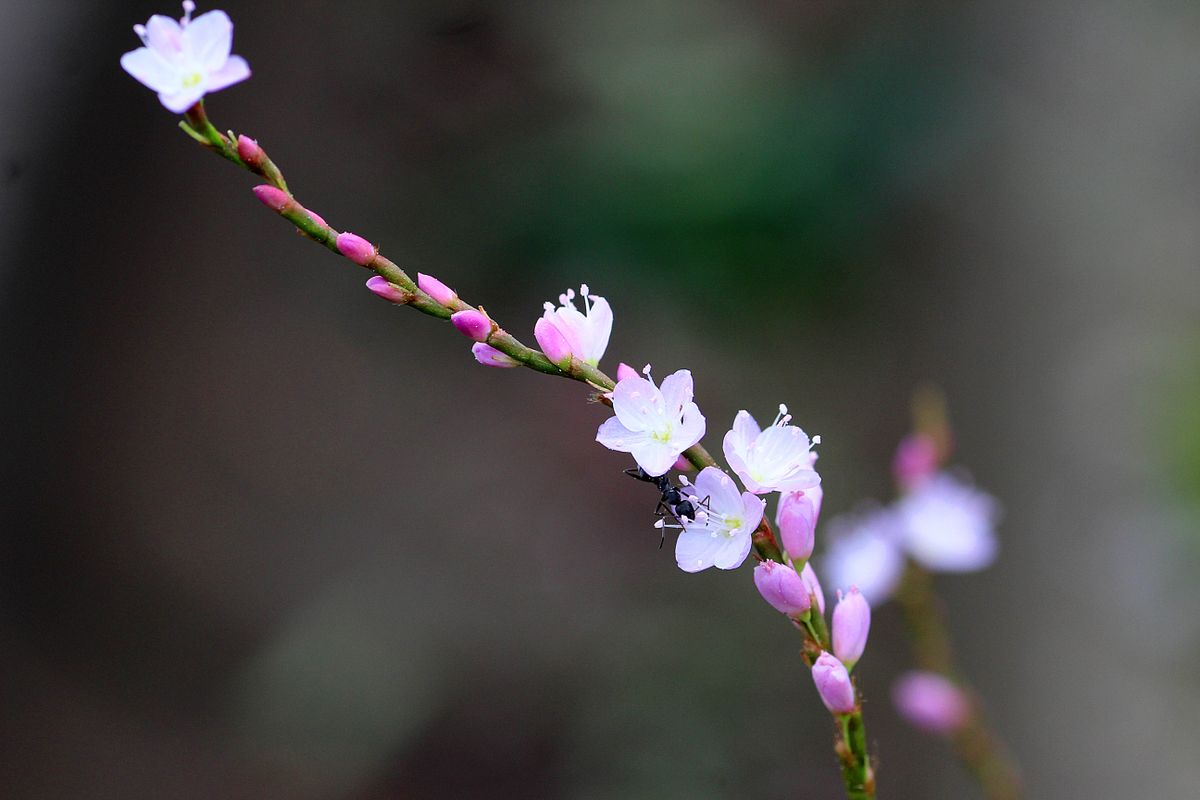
(265, 536)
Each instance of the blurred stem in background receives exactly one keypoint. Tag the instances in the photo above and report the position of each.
(979, 748)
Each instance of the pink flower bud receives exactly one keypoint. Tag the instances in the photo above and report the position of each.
(931, 702)
(625, 371)
(249, 152)
(782, 588)
(683, 465)
(814, 585)
(274, 199)
(851, 624)
(915, 460)
(472, 323)
(552, 342)
(797, 520)
(436, 289)
(356, 248)
(491, 357)
(833, 684)
(388, 291)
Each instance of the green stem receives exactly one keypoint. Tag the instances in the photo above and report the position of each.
(852, 752)
(977, 746)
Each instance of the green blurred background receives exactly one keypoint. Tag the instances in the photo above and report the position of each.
(265, 536)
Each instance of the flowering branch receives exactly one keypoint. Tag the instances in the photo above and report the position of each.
(659, 425)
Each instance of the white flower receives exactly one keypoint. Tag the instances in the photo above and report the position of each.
(722, 533)
(587, 332)
(864, 551)
(183, 60)
(654, 425)
(777, 459)
(948, 525)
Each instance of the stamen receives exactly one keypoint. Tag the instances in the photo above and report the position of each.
(816, 439)
(188, 7)
(683, 481)
(583, 289)
(570, 294)
(548, 306)
(563, 299)
(140, 30)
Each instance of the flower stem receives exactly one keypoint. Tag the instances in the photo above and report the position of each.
(978, 747)
(198, 127)
(851, 749)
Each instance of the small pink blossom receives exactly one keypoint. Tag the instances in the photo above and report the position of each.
(472, 323)
(356, 248)
(653, 425)
(185, 60)
(586, 332)
(553, 343)
(797, 522)
(833, 684)
(272, 197)
(249, 152)
(931, 702)
(388, 291)
(721, 534)
(436, 289)
(625, 371)
(851, 624)
(777, 459)
(780, 586)
(491, 357)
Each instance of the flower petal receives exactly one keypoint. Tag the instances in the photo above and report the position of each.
(637, 403)
(235, 69)
(677, 391)
(615, 436)
(720, 491)
(150, 70)
(164, 37)
(733, 553)
(696, 550)
(691, 429)
(181, 100)
(655, 457)
(600, 322)
(752, 511)
(210, 37)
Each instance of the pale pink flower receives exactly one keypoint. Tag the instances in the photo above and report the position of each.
(721, 534)
(931, 702)
(654, 425)
(948, 525)
(184, 60)
(864, 551)
(586, 332)
(777, 459)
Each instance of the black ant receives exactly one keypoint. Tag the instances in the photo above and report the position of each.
(673, 503)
